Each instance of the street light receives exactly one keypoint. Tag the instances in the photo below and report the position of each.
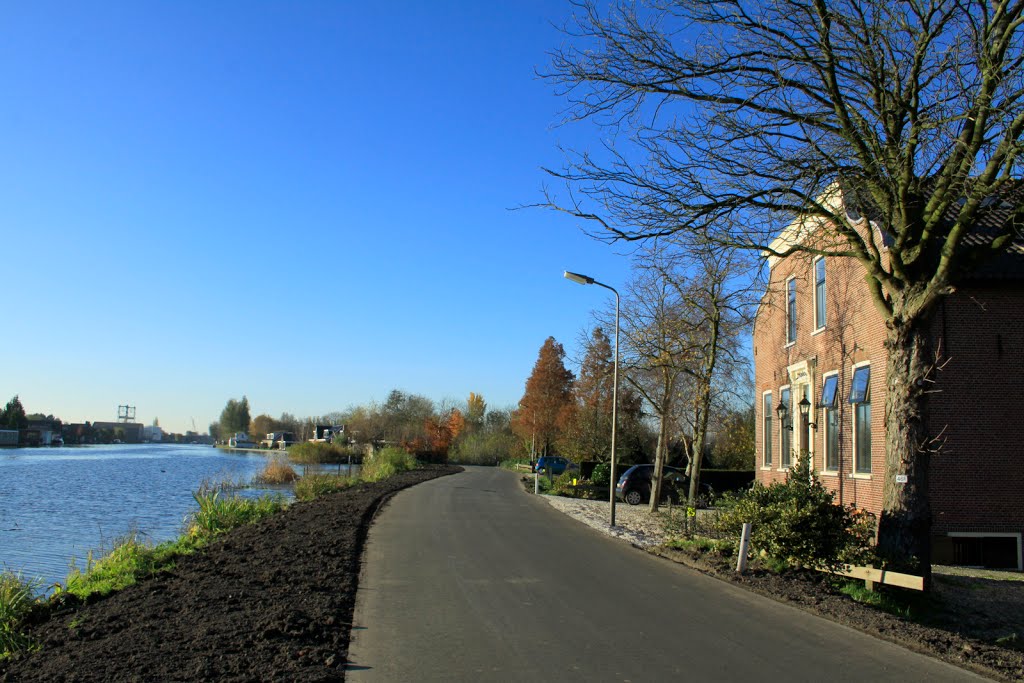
(586, 280)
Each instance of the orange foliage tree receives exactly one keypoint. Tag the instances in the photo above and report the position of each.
(548, 400)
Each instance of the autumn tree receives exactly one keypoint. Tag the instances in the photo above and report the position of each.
(733, 445)
(888, 129)
(588, 428)
(476, 409)
(542, 409)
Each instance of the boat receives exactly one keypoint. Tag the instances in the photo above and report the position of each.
(241, 440)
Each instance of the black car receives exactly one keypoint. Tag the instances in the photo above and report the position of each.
(634, 486)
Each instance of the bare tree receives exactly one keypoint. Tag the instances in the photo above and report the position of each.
(879, 131)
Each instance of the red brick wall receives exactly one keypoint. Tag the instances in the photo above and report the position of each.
(854, 333)
(977, 478)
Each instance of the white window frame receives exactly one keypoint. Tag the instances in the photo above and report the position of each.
(767, 427)
(854, 474)
(783, 428)
(824, 418)
(791, 314)
(819, 325)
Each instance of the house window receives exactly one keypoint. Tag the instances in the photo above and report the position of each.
(828, 403)
(791, 311)
(860, 397)
(767, 428)
(819, 293)
(786, 431)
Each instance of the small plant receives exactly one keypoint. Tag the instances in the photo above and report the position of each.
(218, 513)
(315, 485)
(276, 472)
(387, 463)
(17, 597)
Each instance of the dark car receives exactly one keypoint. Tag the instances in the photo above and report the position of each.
(634, 486)
(554, 464)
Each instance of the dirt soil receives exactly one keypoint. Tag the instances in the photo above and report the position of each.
(958, 623)
(272, 601)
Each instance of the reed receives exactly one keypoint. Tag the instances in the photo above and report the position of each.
(276, 472)
(314, 485)
(219, 513)
(17, 596)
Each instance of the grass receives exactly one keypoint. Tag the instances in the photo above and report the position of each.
(218, 513)
(314, 485)
(387, 463)
(900, 604)
(131, 558)
(277, 471)
(703, 545)
(17, 596)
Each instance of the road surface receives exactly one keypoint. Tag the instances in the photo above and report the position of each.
(469, 578)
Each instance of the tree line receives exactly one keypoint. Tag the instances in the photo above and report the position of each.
(685, 390)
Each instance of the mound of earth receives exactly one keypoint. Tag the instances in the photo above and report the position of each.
(270, 601)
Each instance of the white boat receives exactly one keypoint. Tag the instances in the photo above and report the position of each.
(241, 440)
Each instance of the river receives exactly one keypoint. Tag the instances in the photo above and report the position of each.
(59, 503)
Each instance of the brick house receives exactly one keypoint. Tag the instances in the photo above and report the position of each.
(818, 338)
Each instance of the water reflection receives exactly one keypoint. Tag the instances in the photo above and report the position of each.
(59, 503)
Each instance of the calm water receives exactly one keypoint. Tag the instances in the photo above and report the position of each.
(60, 503)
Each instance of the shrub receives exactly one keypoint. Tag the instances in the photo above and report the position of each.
(798, 523)
(17, 596)
(314, 485)
(484, 449)
(309, 453)
(386, 463)
(602, 474)
(276, 471)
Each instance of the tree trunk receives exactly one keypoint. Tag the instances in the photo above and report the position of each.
(659, 461)
(904, 530)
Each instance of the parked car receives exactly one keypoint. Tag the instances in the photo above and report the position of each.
(634, 486)
(555, 465)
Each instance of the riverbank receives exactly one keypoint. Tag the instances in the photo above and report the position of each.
(271, 601)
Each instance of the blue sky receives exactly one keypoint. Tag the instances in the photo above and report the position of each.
(303, 202)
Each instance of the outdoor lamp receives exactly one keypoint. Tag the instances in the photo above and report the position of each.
(587, 280)
(805, 410)
(783, 413)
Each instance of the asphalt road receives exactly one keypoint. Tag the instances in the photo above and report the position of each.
(468, 578)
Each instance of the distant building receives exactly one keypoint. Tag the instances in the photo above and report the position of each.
(152, 433)
(127, 432)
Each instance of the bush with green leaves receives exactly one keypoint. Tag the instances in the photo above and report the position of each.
(309, 453)
(602, 474)
(386, 463)
(798, 523)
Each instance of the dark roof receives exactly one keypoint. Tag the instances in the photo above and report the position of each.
(994, 216)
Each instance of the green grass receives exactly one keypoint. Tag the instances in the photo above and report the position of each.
(17, 596)
(219, 513)
(702, 545)
(130, 558)
(909, 606)
(386, 463)
(314, 485)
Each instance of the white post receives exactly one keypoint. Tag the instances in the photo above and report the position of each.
(741, 560)
(536, 483)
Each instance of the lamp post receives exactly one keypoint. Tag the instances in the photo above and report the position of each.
(805, 424)
(585, 280)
